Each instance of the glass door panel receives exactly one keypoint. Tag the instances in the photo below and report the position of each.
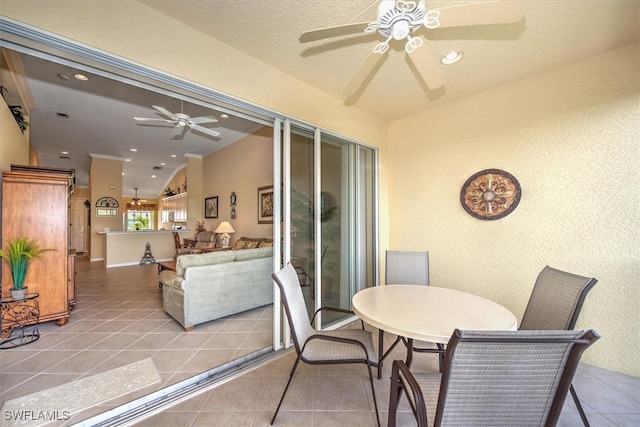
(302, 247)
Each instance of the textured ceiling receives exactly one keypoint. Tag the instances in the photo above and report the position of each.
(553, 33)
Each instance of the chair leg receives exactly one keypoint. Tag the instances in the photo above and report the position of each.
(373, 394)
(394, 398)
(585, 421)
(293, 370)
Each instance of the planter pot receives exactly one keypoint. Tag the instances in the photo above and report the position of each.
(18, 293)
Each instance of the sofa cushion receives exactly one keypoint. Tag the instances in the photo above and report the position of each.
(254, 253)
(266, 243)
(247, 243)
(184, 261)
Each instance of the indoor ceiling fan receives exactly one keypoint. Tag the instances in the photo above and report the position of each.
(136, 200)
(401, 20)
(181, 122)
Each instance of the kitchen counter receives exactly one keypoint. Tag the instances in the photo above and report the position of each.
(127, 247)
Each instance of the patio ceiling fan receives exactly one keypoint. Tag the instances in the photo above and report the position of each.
(181, 122)
(403, 20)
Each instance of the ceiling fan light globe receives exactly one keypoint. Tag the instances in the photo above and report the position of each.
(401, 29)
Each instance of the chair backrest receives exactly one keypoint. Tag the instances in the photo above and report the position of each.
(510, 378)
(176, 239)
(556, 300)
(294, 305)
(408, 268)
(206, 240)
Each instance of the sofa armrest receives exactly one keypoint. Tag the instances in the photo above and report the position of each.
(169, 279)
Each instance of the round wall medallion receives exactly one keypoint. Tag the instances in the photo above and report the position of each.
(490, 194)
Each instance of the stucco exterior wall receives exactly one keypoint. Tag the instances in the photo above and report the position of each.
(572, 138)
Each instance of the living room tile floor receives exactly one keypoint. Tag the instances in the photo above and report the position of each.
(119, 320)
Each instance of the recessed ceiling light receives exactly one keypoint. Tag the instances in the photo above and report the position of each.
(153, 176)
(173, 155)
(64, 152)
(127, 160)
(122, 173)
(133, 149)
(224, 116)
(452, 57)
(81, 77)
(163, 164)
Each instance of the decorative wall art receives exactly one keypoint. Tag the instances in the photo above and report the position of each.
(233, 205)
(107, 206)
(211, 207)
(265, 205)
(490, 194)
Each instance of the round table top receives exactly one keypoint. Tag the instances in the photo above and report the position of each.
(429, 313)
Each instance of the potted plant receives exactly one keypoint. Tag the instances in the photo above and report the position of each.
(19, 254)
(302, 218)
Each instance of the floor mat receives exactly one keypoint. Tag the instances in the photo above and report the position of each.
(59, 403)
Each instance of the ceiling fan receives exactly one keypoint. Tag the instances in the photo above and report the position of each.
(401, 20)
(136, 200)
(181, 122)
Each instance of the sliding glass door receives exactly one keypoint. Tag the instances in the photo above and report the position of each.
(331, 183)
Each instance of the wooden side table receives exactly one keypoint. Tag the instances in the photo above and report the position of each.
(19, 321)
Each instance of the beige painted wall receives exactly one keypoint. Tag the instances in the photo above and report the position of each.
(565, 135)
(572, 138)
(105, 180)
(14, 147)
(241, 167)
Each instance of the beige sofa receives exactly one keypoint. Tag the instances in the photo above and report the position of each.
(209, 286)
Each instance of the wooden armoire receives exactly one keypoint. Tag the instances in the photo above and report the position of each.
(35, 204)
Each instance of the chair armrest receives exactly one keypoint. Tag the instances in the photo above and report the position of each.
(402, 379)
(340, 340)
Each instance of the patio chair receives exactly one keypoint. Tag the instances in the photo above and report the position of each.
(409, 268)
(320, 347)
(555, 303)
(491, 378)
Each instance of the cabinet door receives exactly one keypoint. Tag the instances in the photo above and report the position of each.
(36, 206)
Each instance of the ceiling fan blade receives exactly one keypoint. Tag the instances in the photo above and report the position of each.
(178, 132)
(204, 119)
(147, 119)
(363, 73)
(326, 33)
(203, 129)
(491, 12)
(164, 111)
(428, 66)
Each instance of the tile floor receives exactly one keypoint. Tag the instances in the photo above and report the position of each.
(115, 323)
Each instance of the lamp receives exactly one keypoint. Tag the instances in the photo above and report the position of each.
(225, 229)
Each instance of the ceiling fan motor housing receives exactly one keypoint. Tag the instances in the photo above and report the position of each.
(398, 19)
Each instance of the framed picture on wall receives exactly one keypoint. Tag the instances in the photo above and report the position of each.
(211, 207)
(265, 205)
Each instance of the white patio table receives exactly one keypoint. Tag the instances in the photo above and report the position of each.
(427, 313)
